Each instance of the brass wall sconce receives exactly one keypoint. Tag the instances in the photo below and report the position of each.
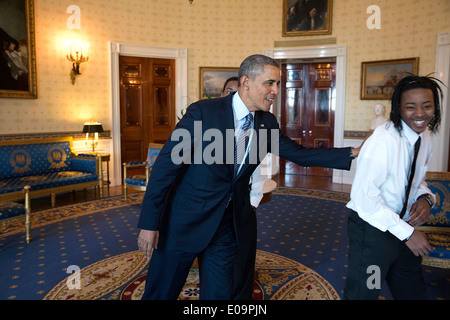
(76, 52)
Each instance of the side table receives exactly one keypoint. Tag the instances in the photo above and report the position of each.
(105, 157)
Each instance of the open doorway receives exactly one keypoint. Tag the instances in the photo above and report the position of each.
(327, 53)
(307, 104)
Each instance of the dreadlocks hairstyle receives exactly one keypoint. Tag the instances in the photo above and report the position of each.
(416, 82)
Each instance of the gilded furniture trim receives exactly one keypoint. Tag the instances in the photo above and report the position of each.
(437, 229)
(444, 242)
(435, 175)
(439, 184)
(436, 262)
(17, 142)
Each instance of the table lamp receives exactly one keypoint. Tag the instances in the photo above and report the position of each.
(95, 128)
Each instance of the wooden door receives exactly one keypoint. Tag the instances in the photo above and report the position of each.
(147, 104)
(307, 109)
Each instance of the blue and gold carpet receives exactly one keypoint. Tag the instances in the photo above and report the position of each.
(302, 247)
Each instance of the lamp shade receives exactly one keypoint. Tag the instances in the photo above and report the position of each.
(92, 127)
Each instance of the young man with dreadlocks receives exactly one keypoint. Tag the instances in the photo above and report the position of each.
(386, 203)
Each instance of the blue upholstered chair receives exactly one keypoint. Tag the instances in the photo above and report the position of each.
(139, 182)
(437, 228)
(10, 211)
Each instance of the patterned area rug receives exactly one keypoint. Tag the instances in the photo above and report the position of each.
(302, 242)
(123, 277)
(46, 217)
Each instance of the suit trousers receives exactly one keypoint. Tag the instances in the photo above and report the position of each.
(375, 257)
(244, 262)
(169, 267)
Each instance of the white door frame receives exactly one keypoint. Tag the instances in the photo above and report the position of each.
(117, 49)
(340, 53)
(439, 161)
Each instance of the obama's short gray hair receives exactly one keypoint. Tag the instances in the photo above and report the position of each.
(253, 66)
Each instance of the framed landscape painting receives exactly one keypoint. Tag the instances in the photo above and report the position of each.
(18, 50)
(378, 78)
(212, 80)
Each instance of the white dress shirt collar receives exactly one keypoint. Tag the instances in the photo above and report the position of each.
(239, 108)
(410, 135)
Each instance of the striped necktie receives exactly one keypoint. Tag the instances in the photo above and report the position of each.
(411, 176)
(242, 143)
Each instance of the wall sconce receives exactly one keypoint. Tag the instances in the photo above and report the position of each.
(95, 128)
(76, 52)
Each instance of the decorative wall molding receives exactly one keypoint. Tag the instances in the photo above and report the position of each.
(439, 161)
(305, 42)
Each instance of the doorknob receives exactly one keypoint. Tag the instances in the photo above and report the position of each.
(304, 133)
(310, 133)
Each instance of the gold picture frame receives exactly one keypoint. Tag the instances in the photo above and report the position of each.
(299, 19)
(378, 78)
(212, 80)
(18, 74)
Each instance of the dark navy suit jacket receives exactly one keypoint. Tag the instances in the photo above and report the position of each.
(186, 202)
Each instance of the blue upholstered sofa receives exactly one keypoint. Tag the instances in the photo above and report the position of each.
(48, 166)
(437, 228)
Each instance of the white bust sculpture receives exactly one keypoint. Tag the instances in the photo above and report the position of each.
(379, 118)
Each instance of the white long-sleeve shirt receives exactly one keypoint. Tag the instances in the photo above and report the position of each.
(381, 178)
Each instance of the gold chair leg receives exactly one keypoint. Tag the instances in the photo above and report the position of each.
(100, 176)
(124, 183)
(53, 197)
(28, 227)
(27, 214)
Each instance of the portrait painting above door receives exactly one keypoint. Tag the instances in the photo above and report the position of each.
(18, 50)
(307, 17)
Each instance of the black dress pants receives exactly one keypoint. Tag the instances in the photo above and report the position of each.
(374, 257)
(169, 267)
(244, 262)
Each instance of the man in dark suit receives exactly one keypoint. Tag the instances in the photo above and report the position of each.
(197, 201)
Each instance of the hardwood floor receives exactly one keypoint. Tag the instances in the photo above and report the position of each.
(311, 182)
(62, 199)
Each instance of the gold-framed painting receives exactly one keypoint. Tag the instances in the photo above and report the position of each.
(212, 80)
(379, 78)
(307, 17)
(18, 77)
